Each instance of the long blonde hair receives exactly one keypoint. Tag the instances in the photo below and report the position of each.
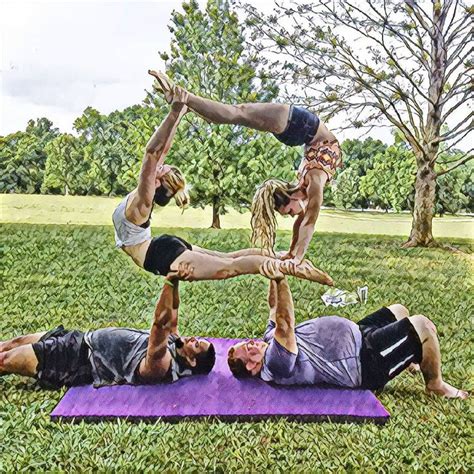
(176, 183)
(270, 195)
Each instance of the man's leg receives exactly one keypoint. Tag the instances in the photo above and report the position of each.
(431, 361)
(21, 341)
(20, 360)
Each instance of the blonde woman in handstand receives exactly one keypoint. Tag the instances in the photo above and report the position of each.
(158, 183)
(292, 126)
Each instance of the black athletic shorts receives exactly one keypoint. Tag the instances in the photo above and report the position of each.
(388, 347)
(301, 129)
(162, 252)
(62, 359)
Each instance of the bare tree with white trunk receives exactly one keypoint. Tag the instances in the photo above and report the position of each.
(372, 63)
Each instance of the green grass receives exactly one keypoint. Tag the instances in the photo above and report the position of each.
(93, 210)
(74, 276)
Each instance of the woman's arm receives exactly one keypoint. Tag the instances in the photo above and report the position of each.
(140, 206)
(314, 190)
(294, 239)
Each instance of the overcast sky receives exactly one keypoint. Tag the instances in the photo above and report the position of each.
(59, 57)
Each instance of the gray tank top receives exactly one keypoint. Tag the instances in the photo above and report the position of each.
(115, 354)
(127, 233)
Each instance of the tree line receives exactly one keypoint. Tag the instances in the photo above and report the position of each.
(221, 56)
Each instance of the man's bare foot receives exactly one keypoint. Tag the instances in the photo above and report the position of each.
(165, 85)
(445, 390)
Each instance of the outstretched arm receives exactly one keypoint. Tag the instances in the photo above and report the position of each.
(285, 317)
(272, 300)
(157, 359)
(305, 228)
(156, 149)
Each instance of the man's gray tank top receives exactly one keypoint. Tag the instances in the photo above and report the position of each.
(127, 233)
(115, 354)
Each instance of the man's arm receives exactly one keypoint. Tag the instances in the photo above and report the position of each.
(174, 315)
(272, 300)
(314, 190)
(156, 149)
(157, 359)
(285, 317)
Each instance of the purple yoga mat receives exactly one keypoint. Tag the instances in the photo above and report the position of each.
(221, 395)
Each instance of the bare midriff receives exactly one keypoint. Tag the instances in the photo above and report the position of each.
(137, 252)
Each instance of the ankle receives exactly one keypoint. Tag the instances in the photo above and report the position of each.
(435, 384)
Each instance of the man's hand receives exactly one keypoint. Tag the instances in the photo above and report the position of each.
(180, 99)
(185, 272)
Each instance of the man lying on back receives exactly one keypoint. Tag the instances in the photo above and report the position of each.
(334, 350)
(111, 356)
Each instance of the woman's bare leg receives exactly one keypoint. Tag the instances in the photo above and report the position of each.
(20, 360)
(21, 341)
(431, 361)
(203, 266)
(237, 253)
(267, 117)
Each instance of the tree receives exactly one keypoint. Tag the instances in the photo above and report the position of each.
(113, 147)
(65, 166)
(23, 158)
(389, 183)
(346, 193)
(224, 163)
(373, 61)
(454, 191)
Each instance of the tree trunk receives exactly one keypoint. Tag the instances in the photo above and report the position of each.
(216, 220)
(425, 185)
(421, 229)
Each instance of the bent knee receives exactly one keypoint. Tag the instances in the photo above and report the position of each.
(399, 310)
(423, 325)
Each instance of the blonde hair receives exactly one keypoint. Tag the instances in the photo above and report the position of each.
(270, 195)
(176, 183)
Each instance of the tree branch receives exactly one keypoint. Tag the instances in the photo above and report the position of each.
(461, 162)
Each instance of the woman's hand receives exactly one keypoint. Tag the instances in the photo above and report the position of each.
(284, 255)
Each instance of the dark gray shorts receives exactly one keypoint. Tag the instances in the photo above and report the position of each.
(62, 359)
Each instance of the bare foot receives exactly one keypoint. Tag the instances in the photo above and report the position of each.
(270, 269)
(445, 390)
(305, 270)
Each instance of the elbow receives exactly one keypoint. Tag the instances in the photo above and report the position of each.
(154, 151)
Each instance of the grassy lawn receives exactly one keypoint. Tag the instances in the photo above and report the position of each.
(74, 276)
(91, 210)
